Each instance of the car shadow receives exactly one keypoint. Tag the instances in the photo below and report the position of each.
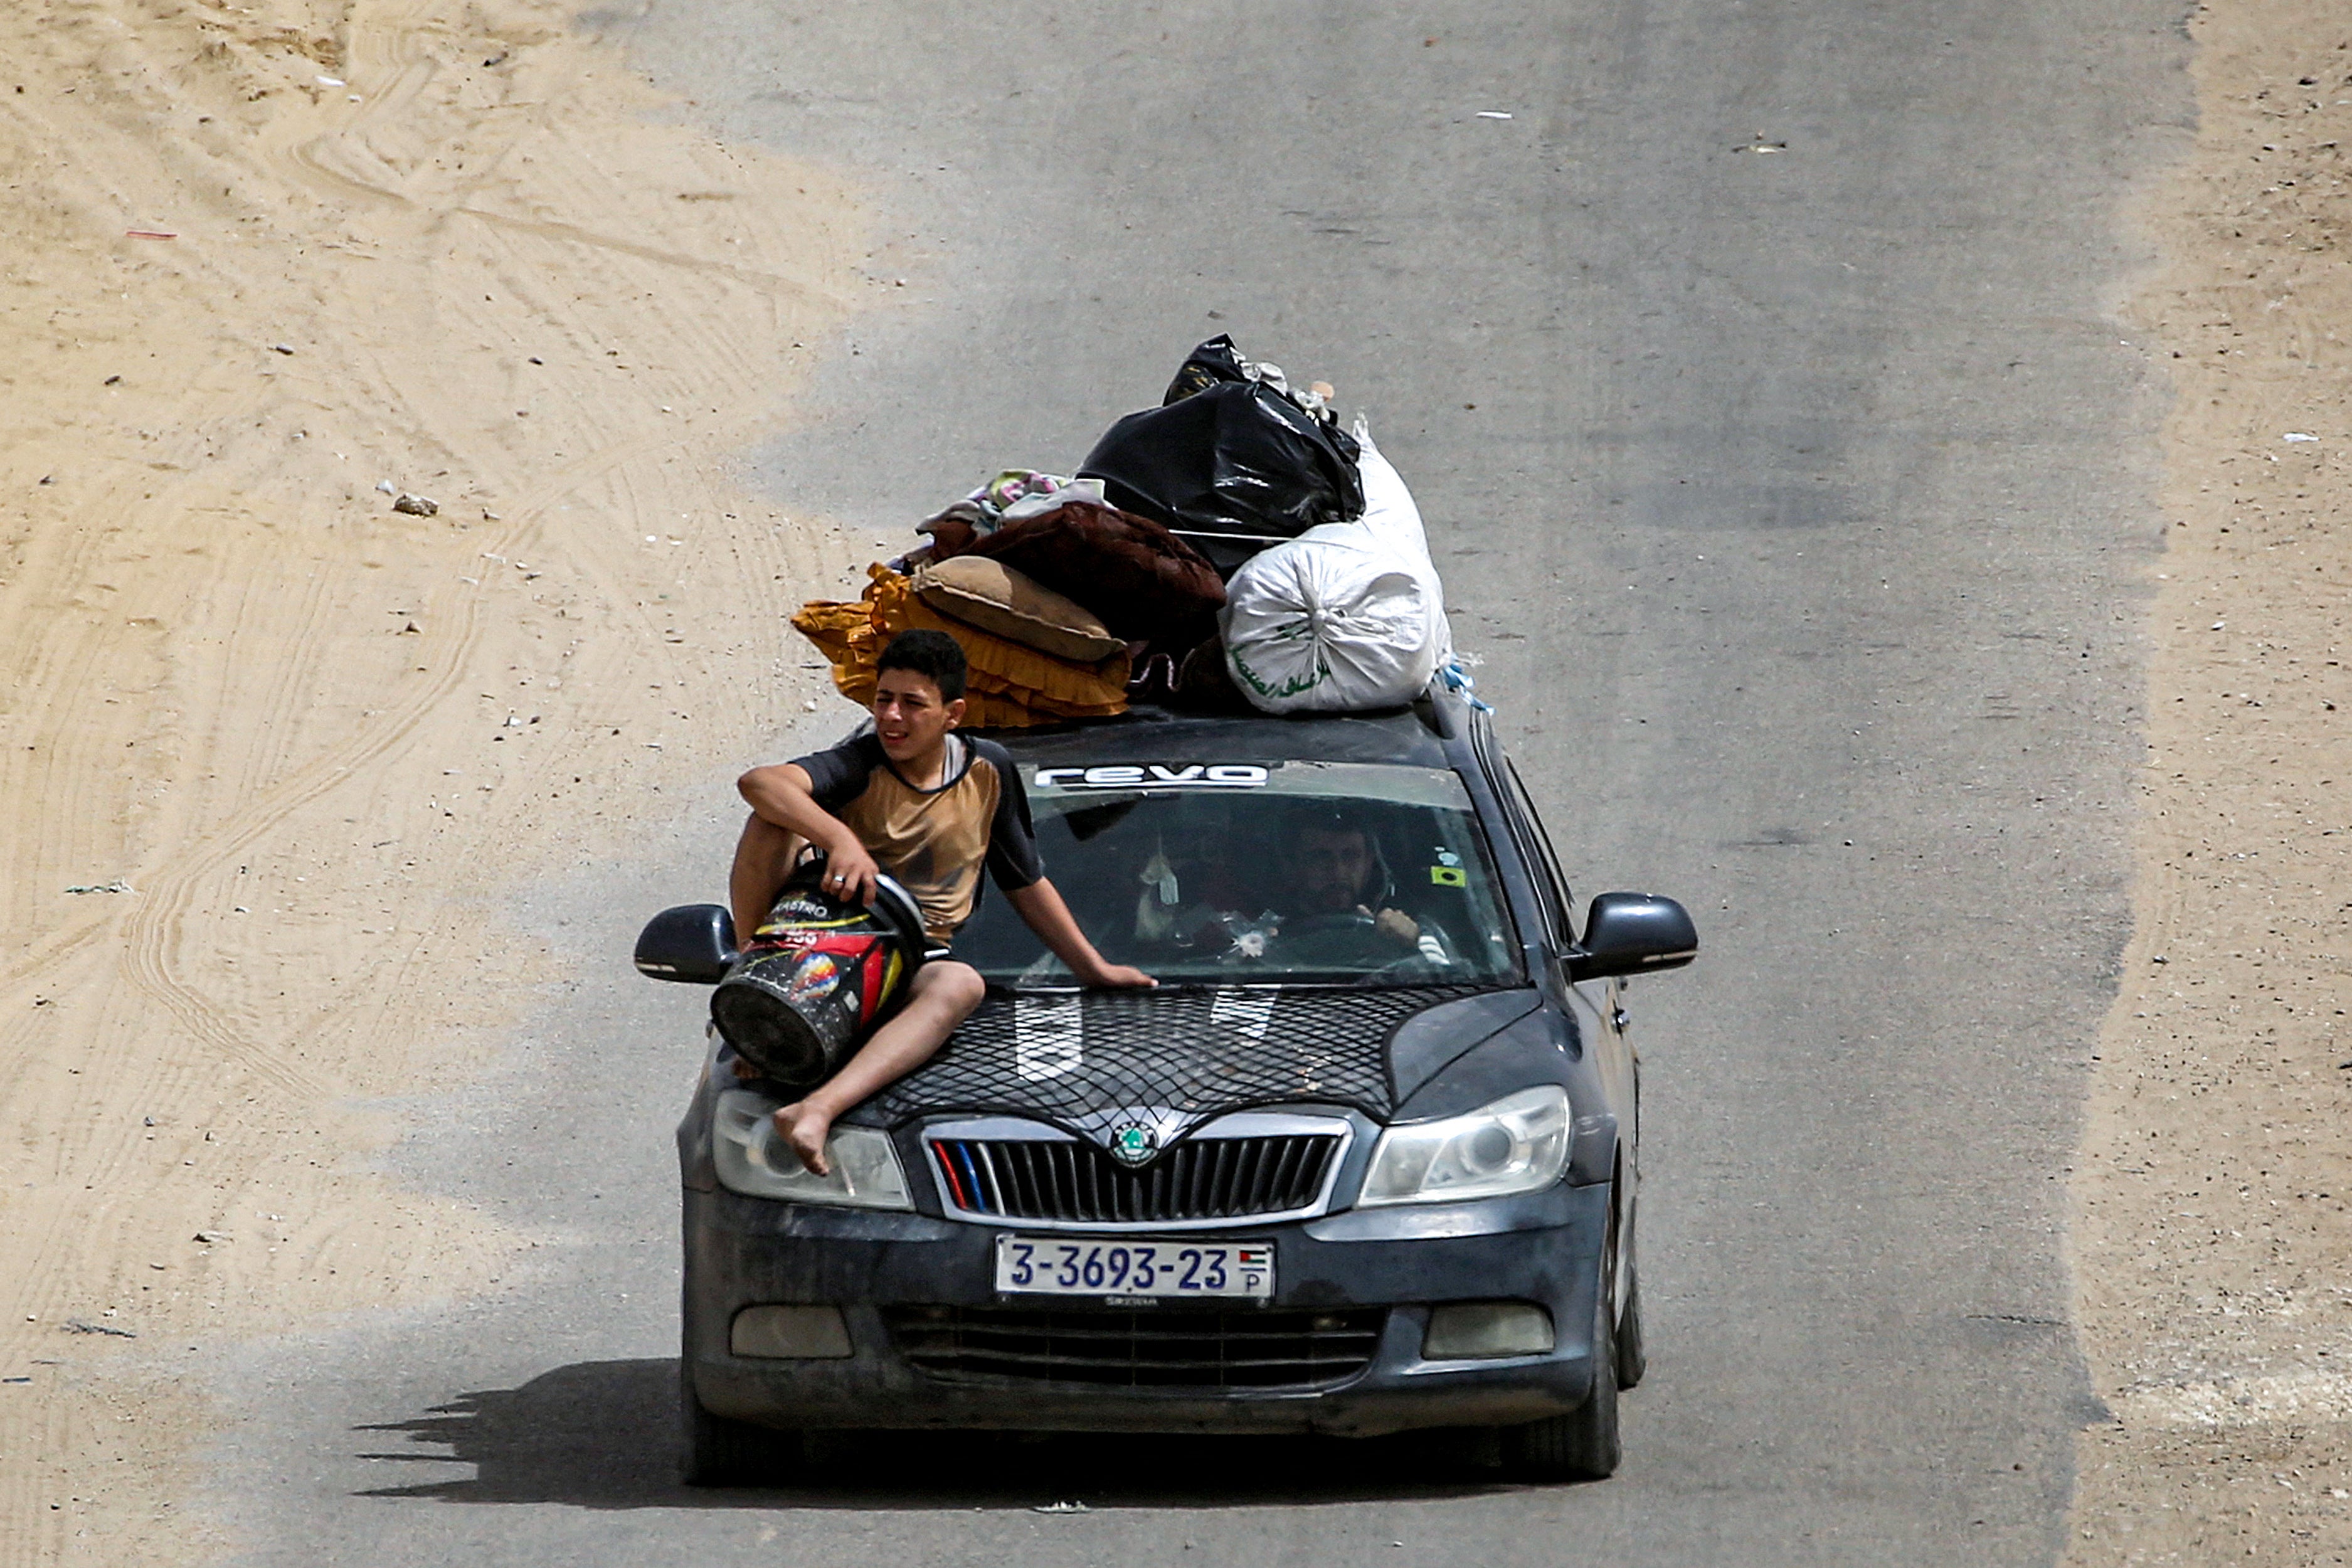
(604, 1435)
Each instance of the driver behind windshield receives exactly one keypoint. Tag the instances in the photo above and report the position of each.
(1337, 872)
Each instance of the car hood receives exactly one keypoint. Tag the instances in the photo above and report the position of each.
(1430, 1042)
(1098, 1063)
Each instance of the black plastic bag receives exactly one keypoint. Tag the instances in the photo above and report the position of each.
(1212, 362)
(1230, 468)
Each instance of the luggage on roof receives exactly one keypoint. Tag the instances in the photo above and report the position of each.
(986, 593)
(1009, 688)
(1232, 461)
(1232, 546)
(1347, 617)
(1146, 583)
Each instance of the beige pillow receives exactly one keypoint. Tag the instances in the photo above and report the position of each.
(995, 598)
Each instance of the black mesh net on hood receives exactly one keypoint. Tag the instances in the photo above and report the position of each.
(1091, 1062)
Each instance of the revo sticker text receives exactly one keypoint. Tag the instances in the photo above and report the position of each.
(1154, 776)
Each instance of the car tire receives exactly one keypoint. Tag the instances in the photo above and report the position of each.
(1632, 1358)
(1581, 1445)
(720, 1452)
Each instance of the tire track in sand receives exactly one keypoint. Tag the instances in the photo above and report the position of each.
(278, 710)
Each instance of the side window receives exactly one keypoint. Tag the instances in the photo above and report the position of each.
(1538, 848)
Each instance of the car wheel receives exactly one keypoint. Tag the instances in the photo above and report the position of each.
(720, 1452)
(1632, 1360)
(1580, 1446)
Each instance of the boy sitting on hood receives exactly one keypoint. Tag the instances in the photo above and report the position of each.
(917, 802)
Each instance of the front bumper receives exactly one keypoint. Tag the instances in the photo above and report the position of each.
(1544, 1247)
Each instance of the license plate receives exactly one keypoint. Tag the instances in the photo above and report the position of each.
(1051, 1266)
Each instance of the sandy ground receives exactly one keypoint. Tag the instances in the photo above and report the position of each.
(271, 752)
(2209, 1201)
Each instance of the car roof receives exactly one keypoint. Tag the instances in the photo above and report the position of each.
(1430, 734)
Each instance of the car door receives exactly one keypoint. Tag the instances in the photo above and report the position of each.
(1613, 1052)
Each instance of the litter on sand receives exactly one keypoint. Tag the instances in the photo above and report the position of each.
(2298, 435)
(1494, 114)
(1061, 1508)
(77, 1326)
(415, 506)
(117, 885)
(151, 234)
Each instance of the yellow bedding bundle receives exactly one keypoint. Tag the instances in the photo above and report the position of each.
(1011, 687)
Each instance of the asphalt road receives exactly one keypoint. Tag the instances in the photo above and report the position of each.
(1797, 498)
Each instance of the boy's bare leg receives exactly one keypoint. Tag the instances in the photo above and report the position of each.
(943, 995)
(763, 859)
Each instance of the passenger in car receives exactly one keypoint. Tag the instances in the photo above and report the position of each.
(915, 801)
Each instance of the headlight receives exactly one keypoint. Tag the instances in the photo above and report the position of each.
(753, 1159)
(1518, 1144)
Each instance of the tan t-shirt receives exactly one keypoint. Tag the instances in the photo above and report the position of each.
(934, 842)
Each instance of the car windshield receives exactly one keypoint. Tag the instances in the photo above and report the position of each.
(1299, 872)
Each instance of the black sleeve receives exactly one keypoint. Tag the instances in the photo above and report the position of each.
(838, 777)
(1012, 858)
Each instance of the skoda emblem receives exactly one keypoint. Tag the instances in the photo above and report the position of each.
(1133, 1143)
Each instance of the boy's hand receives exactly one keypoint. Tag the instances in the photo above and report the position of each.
(1042, 910)
(849, 873)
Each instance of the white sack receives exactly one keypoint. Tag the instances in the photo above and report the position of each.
(1391, 516)
(1348, 615)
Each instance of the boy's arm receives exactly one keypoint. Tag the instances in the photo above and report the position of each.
(1042, 908)
(779, 795)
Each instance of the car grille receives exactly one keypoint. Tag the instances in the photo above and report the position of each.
(1201, 1178)
(1252, 1348)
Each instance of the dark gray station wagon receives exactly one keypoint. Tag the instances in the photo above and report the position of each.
(1366, 1162)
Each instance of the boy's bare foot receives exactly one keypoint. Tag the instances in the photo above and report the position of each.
(803, 1128)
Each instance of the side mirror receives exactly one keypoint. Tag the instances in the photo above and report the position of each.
(693, 943)
(1634, 934)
